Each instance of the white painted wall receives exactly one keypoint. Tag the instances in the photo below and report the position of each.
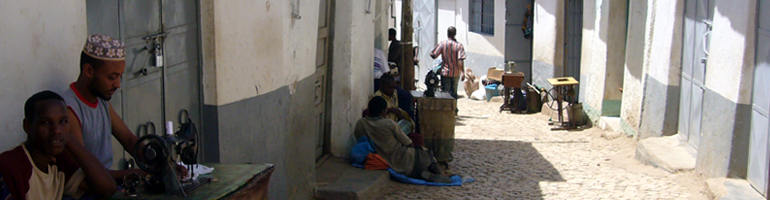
(603, 51)
(594, 51)
(636, 63)
(40, 45)
(456, 13)
(548, 28)
(731, 59)
(666, 43)
(352, 71)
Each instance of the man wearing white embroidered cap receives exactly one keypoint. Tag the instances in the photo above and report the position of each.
(102, 64)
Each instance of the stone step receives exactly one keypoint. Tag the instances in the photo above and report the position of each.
(732, 189)
(337, 179)
(610, 124)
(669, 153)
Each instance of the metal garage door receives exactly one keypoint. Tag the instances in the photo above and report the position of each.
(518, 48)
(698, 15)
(424, 34)
(150, 93)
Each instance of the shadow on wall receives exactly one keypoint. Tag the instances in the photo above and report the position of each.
(724, 143)
(515, 167)
(592, 10)
(637, 26)
(556, 8)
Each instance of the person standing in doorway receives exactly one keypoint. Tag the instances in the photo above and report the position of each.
(395, 50)
(452, 67)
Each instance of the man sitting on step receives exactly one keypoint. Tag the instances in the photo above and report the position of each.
(395, 147)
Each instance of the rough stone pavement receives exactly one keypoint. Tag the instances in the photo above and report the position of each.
(517, 156)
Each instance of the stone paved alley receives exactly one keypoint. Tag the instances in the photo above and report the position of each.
(517, 156)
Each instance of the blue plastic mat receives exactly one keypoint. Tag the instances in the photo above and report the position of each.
(456, 180)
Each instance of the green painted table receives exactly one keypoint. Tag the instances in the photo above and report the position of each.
(229, 181)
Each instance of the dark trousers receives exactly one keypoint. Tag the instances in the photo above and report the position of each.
(449, 84)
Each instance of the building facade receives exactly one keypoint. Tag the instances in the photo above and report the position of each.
(686, 68)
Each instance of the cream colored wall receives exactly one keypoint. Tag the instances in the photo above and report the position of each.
(208, 53)
(352, 73)
(300, 37)
(40, 43)
(548, 29)
(255, 47)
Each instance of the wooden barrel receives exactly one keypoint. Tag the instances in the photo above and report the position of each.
(437, 125)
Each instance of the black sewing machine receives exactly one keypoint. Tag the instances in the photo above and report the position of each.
(157, 156)
(432, 83)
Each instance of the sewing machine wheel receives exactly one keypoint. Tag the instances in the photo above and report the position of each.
(188, 155)
(152, 154)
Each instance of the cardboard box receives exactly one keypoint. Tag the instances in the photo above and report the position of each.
(495, 74)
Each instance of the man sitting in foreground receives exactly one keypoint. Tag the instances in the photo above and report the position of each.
(37, 169)
(395, 147)
(388, 92)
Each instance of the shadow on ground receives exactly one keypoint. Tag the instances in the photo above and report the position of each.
(502, 169)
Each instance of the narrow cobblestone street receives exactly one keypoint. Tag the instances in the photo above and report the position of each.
(517, 156)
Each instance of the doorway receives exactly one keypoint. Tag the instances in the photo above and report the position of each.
(760, 116)
(697, 25)
(153, 90)
(518, 48)
(322, 101)
(574, 39)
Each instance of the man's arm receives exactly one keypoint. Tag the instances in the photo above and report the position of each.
(122, 133)
(75, 128)
(98, 180)
(461, 61)
(436, 51)
(461, 64)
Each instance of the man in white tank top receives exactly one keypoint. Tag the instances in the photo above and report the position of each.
(102, 63)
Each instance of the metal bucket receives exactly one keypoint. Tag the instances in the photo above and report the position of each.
(576, 115)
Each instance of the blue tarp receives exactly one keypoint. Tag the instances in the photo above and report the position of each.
(456, 180)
